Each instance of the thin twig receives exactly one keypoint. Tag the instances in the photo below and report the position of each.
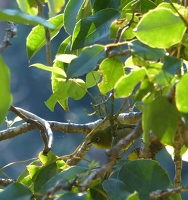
(112, 156)
(47, 33)
(164, 194)
(10, 32)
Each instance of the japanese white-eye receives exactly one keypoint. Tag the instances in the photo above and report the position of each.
(101, 139)
(106, 139)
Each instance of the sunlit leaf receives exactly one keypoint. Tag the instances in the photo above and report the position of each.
(55, 6)
(162, 24)
(36, 39)
(92, 78)
(111, 70)
(126, 84)
(76, 88)
(181, 94)
(66, 58)
(50, 69)
(28, 6)
(161, 117)
(5, 93)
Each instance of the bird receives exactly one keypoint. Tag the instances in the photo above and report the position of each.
(107, 138)
(101, 139)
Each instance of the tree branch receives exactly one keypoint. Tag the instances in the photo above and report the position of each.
(10, 32)
(112, 157)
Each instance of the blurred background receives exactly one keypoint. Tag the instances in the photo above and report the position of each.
(30, 88)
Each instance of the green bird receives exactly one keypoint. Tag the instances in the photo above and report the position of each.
(107, 138)
(101, 139)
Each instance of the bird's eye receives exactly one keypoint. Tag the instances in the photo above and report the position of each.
(97, 139)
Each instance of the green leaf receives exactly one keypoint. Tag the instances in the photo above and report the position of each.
(161, 117)
(28, 6)
(74, 196)
(170, 67)
(115, 189)
(145, 89)
(162, 24)
(133, 196)
(76, 88)
(5, 93)
(66, 58)
(43, 176)
(121, 23)
(146, 52)
(64, 177)
(36, 39)
(50, 69)
(86, 61)
(181, 94)
(143, 176)
(60, 94)
(92, 78)
(146, 5)
(126, 84)
(55, 6)
(99, 5)
(19, 17)
(46, 159)
(59, 88)
(16, 191)
(111, 70)
(70, 19)
(91, 29)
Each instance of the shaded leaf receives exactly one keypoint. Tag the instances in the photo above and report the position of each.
(115, 189)
(86, 61)
(70, 19)
(19, 17)
(16, 191)
(43, 176)
(146, 52)
(74, 196)
(89, 30)
(65, 177)
(143, 176)
(99, 5)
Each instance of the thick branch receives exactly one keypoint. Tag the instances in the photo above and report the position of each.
(126, 118)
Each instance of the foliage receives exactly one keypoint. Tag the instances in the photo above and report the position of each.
(135, 51)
